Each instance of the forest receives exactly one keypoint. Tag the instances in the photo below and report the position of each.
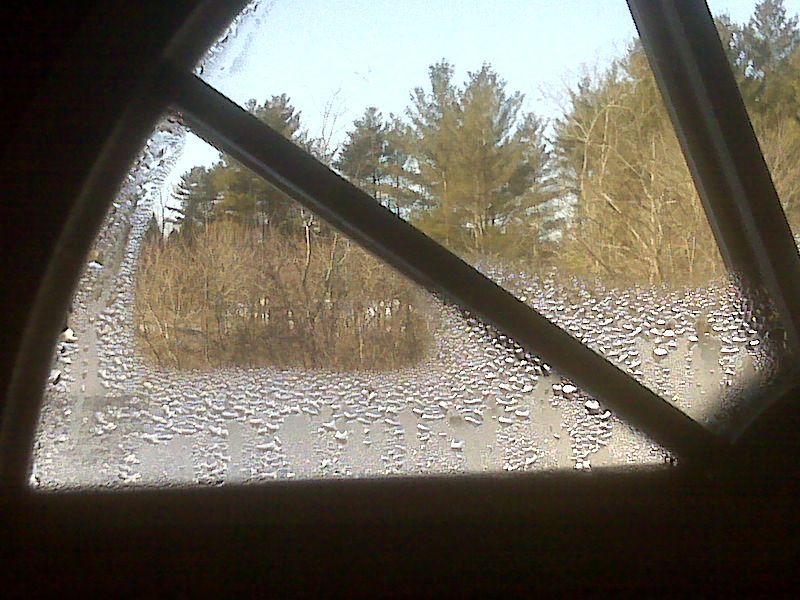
(599, 193)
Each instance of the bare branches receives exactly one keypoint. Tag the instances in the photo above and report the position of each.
(234, 294)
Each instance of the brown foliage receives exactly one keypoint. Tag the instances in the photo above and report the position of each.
(638, 218)
(236, 294)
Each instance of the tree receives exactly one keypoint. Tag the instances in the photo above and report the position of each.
(363, 156)
(476, 158)
(398, 187)
(228, 189)
(769, 39)
(247, 196)
(637, 218)
(767, 62)
(280, 115)
(431, 146)
(197, 194)
(768, 42)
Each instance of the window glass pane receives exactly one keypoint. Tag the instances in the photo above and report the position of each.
(222, 334)
(562, 179)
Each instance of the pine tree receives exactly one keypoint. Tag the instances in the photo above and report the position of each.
(398, 187)
(229, 189)
(280, 115)
(363, 156)
(432, 146)
(197, 194)
(770, 54)
(768, 43)
(477, 158)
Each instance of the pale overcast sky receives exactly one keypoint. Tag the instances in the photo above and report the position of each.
(351, 54)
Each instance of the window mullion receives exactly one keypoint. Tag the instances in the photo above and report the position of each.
(722, 151)
(231, 129)
(730, 173)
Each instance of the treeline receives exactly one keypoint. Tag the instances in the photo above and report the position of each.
(637, 215)
(234, 294)
(602, 192)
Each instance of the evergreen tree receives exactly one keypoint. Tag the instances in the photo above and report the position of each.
(197, 194)
(432, 148)
(231, 190)
(398, 187)
(769, 39)
(248, 197)
(280, 115)
(477, 158)
(363, 156)
(770, 50)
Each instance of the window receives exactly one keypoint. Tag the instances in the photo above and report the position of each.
(517, 336)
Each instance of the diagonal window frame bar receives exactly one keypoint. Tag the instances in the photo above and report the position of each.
(730, 174)
(231, 129)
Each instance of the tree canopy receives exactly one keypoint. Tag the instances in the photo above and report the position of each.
(600, 191)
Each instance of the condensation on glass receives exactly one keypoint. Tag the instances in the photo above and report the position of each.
(269, 346)
(588, 212)
(224, 58)
(149, 388)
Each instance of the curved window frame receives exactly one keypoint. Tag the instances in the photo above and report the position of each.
(715, 134)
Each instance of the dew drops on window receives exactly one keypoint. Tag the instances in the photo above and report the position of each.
(224, 352)
(222, 334)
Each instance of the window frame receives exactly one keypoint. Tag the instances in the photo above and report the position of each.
(707, 144)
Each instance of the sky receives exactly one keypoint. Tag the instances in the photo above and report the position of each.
(341, 56)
